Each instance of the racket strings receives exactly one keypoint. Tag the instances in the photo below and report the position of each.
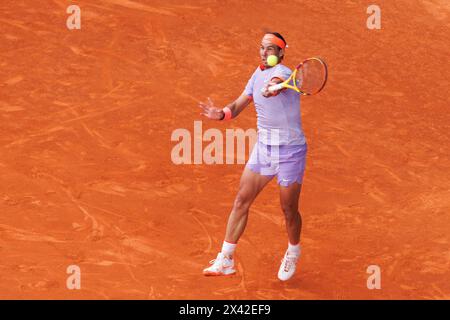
(311, 76)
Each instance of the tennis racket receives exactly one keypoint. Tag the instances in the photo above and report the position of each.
(308, 78)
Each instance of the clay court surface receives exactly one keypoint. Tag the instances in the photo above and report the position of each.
(86, 118)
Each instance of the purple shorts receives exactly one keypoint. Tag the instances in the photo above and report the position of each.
(287, 162)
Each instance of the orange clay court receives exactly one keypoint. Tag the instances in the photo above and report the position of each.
(86, 118)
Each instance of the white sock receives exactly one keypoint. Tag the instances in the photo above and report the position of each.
(228, 248)
(294, 249)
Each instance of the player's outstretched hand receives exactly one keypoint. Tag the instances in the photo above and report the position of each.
(266, 93)
(210, 111)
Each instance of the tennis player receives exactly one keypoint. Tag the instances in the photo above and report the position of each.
(280, 151)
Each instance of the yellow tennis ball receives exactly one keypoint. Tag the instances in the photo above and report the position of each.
(272, 60)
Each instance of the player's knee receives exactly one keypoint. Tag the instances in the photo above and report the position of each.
(241, 203)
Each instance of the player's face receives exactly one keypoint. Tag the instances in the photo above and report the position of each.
(266, 49)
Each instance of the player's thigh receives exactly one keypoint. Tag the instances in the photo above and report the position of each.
(289, 196)
(251, 185)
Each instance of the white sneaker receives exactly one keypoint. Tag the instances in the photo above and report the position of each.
(221, 266)
(288, 266)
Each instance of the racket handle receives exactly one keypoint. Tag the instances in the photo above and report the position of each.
(275, 87)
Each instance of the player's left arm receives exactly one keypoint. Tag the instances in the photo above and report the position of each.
(235, 107)
(239, 104)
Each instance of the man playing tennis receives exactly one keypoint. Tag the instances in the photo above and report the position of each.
(280, 151)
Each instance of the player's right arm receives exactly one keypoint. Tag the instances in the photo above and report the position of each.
(266, 93)
(212, 112)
